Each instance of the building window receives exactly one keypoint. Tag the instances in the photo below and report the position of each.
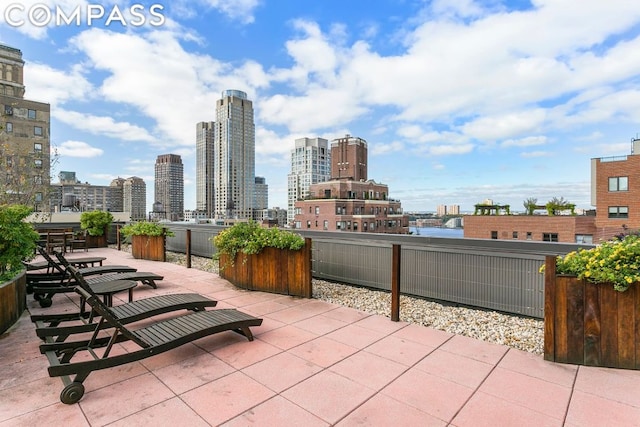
(37, 180)
(584, 238)
(31, 114)
(549, 237)
(38, 163)
(308, 223)
(326, 224)
(38, 197)
(529, 235)
(355, 226)
(8, 110)
(494, 234)
(373, 226)
(9, 127)
(37, 147)
(37, 130)
(515, 235)
(317, 210)
(618, 212)
(297, 224)
(619, 183)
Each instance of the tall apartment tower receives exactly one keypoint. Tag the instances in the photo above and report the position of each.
(234, 157)
(349, 158)
(204, 168)
(261, 200)
(310, 164)
(24, 138)
(134, 198)
(169, 185)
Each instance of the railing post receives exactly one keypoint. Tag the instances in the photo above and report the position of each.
(549, 307)
(395, 284)
(164, 244)
(188, 243)
(118, 235)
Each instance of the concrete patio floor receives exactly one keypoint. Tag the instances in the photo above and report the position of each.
(311, 364)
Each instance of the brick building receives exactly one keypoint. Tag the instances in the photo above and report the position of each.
(349, 201)
(615, 193)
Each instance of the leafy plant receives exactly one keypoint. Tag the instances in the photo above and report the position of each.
(616, 262)
(95, 222)
(250, 238)
(17, 240)
(145, 228)
(556, 205)
(530, 205)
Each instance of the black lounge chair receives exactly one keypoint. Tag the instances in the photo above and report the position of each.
(153, 339)
(77, 262)
(47, 325)
(43, 291)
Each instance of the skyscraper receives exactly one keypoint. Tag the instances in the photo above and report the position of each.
(25, 157)
(261, 200)
(310, 164)
(169, 185)
(349, 158)
(234, 156)
(204, 167)
(134, 196)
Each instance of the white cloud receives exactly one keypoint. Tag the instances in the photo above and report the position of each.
(54, 86)
(78, 149)
(530, 154)
(106, 126)
(525, 142)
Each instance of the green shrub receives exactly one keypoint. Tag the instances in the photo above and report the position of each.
(250, 238)
(616, 262)
(95, 222)
(145, 228)
(17, 240)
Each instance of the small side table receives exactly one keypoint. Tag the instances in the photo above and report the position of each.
(107, 289)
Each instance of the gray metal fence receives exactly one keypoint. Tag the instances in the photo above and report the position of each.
(493, 274)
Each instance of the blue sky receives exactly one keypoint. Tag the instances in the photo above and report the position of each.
(459, 100)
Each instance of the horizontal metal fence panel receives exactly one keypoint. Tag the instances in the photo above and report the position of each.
(201, 244)
(352, 263)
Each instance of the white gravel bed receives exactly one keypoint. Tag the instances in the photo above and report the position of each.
(517, 332)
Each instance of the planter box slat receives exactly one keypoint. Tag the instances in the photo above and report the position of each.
(609, 328)
(592, 327)
(626, 328)
(575, 330)
(562, 332)
(549, 308)
(148, 247)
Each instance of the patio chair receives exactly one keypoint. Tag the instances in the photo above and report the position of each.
(43, 291)
(150, 340)
(47, 325)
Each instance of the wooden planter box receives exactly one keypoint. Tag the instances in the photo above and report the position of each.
(148, 247)
(13, 300)
(97, 241)
(590, 324)
(272, 270)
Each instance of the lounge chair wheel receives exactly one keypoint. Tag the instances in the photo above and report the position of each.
(72, 393)
(45, 302)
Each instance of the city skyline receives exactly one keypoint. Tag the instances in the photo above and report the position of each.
(458, 101)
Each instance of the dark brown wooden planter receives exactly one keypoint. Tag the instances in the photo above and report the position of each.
(272, 270)
(13, 300)
(590, 324)
(97, 241)
(148, 247)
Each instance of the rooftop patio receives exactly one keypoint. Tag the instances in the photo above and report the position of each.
(312, 363)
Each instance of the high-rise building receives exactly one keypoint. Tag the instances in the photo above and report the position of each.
(134, 198)
(310, 164)
(453, 210)
(261, 200)
(441, 210)
(234, 157)
(25, 157)
(169, 185)
(349, 158)
(204, 167)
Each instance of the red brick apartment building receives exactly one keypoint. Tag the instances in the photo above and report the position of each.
(350, 201)
(615, 193)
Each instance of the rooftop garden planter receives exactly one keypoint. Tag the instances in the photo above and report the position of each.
(265, 259)
(592, 306)
(147, 240)
(95, 223)
(17, 243)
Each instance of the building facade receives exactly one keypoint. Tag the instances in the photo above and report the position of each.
(25, 158)
(349, 158)
(134, 198)
(540, 228)
(205, 134)
(169, 185)
(349, 201)
(234, 157)
(261, 198)
(310, 164)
